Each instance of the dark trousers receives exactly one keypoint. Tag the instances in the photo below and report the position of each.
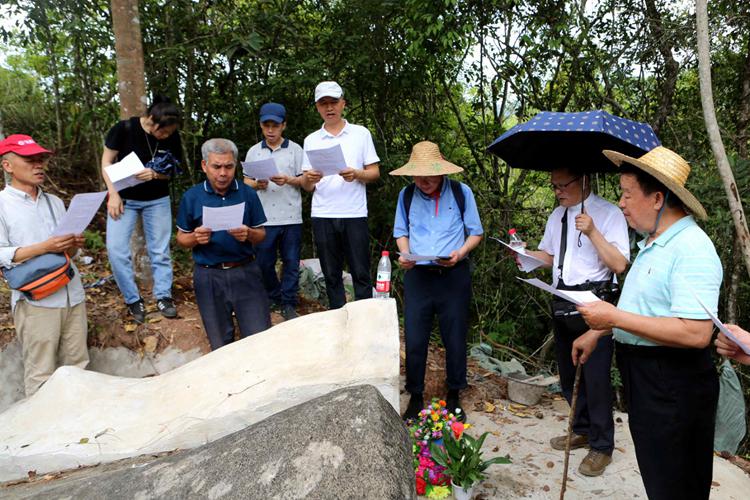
(336, 239)
(593, 416)
(222, 292)
(671, 395)
(285, 240)
(444, 292)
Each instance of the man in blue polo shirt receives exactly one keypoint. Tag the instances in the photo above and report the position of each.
(435, 217)
(661, 330)
(226, 277)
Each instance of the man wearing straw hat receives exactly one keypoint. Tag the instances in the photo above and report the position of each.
(435, 217)
(662, 332)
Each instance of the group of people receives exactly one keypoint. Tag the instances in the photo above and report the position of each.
(656, 325)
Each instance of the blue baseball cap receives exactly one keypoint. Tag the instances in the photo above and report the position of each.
(272, 111)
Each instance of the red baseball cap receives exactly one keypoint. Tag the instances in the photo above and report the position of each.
(22, 145)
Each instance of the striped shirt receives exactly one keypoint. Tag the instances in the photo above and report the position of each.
(667, 272)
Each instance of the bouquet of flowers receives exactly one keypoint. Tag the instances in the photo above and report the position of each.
(430, 427)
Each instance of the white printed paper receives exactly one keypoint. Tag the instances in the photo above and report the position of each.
(578, 297)
(527, 262)
(122, 174)
(223, 218)
(723, 329)
(329, 161)
(260, 169)
(81, 211)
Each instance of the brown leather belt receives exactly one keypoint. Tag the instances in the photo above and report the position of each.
(230, 265)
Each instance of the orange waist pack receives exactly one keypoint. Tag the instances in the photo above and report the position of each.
(40, 276)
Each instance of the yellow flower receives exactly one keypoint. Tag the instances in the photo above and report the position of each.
(434, 417)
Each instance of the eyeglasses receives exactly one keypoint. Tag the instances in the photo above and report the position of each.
(562, 187)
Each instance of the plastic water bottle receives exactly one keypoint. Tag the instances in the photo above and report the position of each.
(383, 281)
(515, 240)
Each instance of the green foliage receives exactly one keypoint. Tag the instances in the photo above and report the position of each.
(94, 240)
(462, 458)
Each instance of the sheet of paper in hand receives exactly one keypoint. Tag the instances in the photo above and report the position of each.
(260, 169)
(122, 174)
(528, 263)
(223, 218)
(329, 161)
(82, 209)
(578, 297)
(723, 329)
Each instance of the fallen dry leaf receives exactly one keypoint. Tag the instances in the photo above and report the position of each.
(489, 407)
(130, 327)
(149, 343)
(83, 441)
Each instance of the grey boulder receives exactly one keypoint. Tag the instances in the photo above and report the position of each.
(349, 443)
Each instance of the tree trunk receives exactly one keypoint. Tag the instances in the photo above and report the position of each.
(714, 135)
(131, 82)
(131, 85)
(671, 66)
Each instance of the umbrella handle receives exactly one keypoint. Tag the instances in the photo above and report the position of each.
(583, 193)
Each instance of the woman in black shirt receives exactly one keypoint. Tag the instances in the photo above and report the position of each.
(155, 139)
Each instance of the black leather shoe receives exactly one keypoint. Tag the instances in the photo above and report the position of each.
(416, 404)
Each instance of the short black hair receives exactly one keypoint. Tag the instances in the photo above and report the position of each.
(163, 112)
(650, 185)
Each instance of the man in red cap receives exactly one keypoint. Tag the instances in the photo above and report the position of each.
(52, 330)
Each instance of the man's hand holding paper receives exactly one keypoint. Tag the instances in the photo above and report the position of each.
(329, 161)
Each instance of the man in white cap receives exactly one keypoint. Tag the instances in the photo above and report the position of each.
(53, 329)
(661, 329)
(339, 204)
(435, 217)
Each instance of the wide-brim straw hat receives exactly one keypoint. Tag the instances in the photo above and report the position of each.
(426, 160)
(667, 167)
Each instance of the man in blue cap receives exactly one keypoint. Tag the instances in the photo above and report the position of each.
(282, 203)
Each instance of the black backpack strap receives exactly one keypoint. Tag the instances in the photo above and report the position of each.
(458, 195)
(408, 196)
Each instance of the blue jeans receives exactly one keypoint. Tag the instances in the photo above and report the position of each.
(286, 240)
(157, 226)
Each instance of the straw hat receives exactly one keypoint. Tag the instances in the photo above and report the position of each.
(426, 159)
(667, 167)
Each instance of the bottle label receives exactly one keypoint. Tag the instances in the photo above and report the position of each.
(383, 282)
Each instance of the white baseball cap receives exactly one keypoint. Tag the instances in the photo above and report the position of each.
(328, 89)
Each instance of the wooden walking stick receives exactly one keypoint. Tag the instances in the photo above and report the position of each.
(571, 416)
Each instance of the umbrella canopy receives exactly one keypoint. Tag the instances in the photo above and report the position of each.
(574, 140)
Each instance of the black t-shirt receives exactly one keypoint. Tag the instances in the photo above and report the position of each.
(128, 136)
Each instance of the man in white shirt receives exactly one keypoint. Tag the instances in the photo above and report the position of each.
(584, 249)
(339, 204)
(282, 203)
(52, 330)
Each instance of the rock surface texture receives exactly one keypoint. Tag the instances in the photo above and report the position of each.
(347, 444)
(82, 418)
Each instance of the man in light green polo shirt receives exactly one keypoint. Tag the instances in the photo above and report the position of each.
(661, 331)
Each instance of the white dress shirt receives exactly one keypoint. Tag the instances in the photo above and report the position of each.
(25, 221)
(333, 196)
(583, 263)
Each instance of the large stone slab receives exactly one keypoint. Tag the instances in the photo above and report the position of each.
(81, 418)
(347, 444)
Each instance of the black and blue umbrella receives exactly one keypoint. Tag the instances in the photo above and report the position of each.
(574, 140)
